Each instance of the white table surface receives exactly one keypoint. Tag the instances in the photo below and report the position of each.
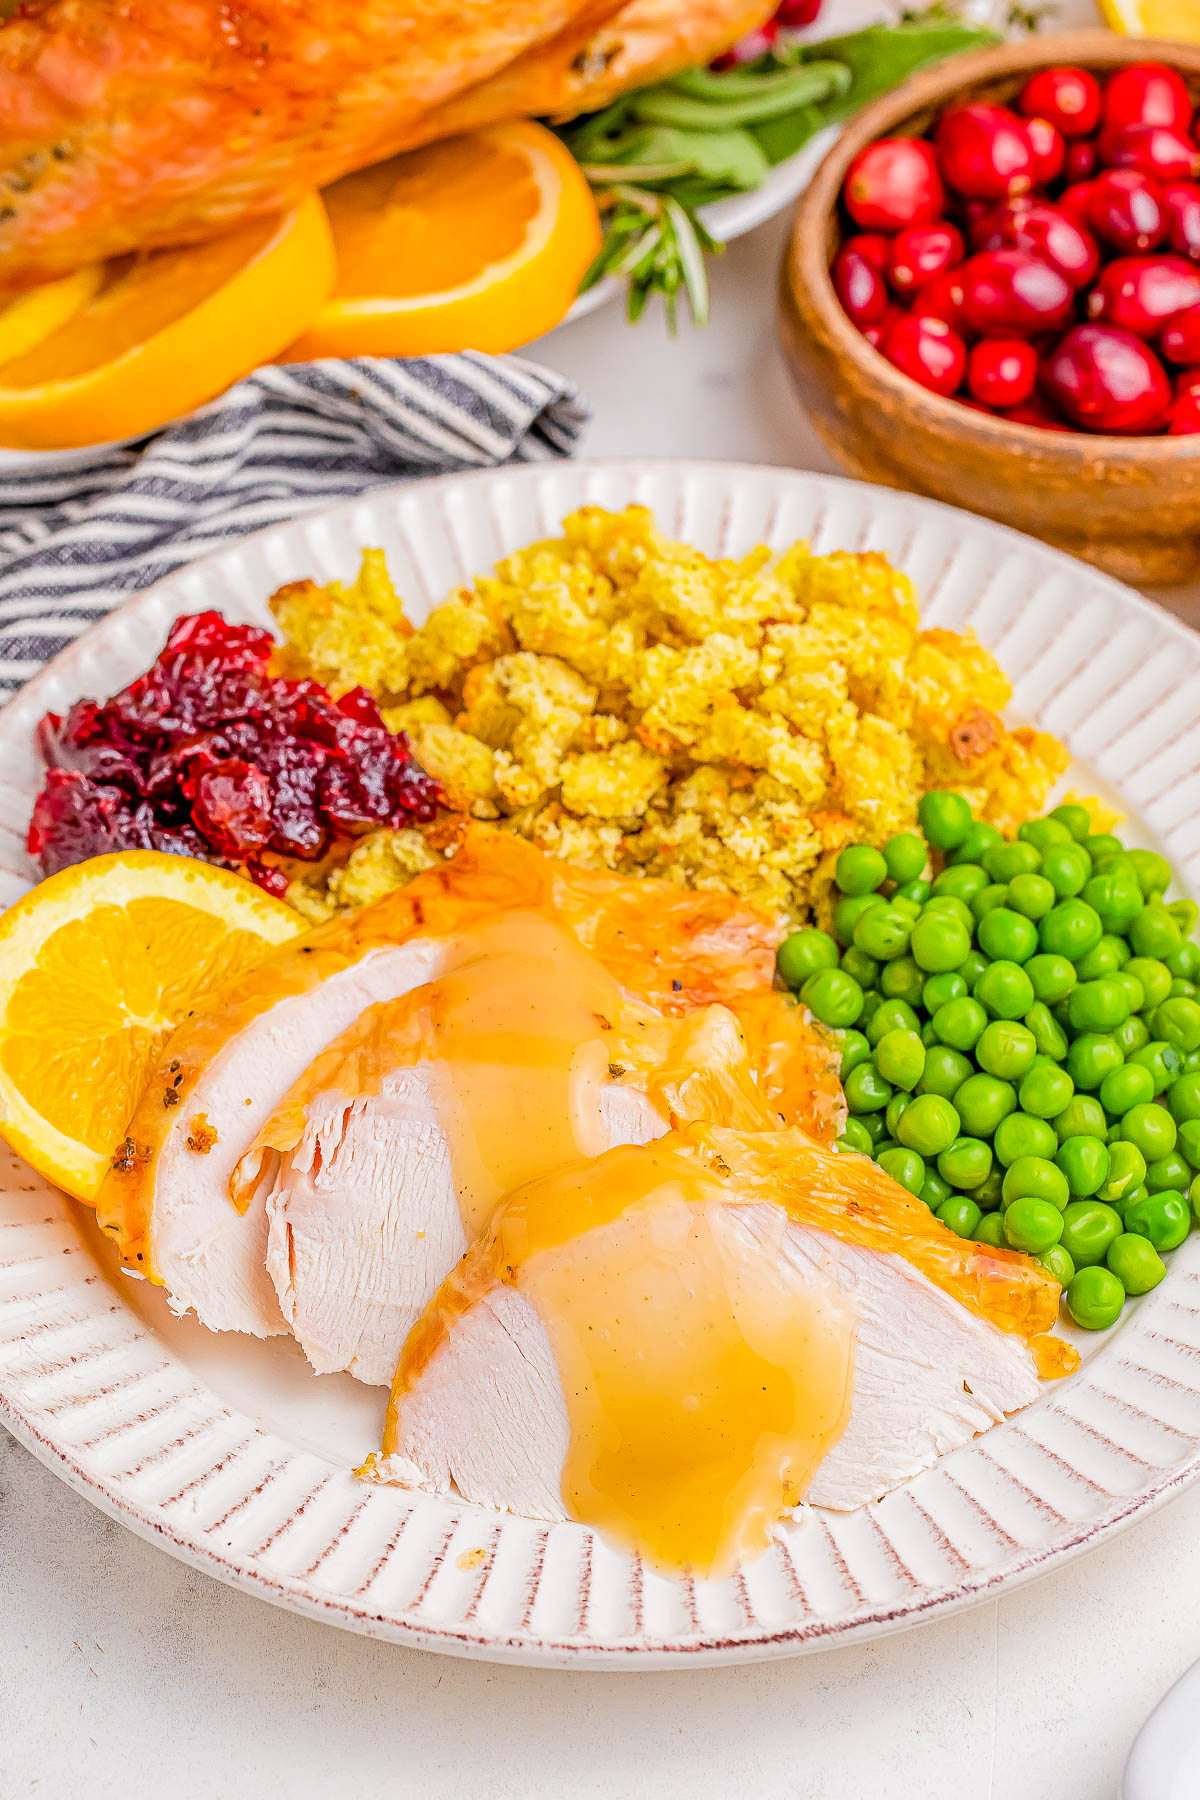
(124, 1674)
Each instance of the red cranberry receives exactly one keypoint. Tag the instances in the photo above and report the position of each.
(922, 251)
(1081, 161)
(793, 15)
(878, 330)
(1155, 149)
(873, 247)
(927, 350)
(1076, 201)
(1180, 341)
(894, 183)
(1144, 293)
(1187, 382)
(859, 287)
(1183, 416)
(1002, 371)
(1034, 412)
(1011, 293)
(942, 299)
(1125, 209)
(1048, 232)
(1147, 94)
(1107, 380)
(1049, 151)
(1068, 97)
(984, 151)
(1181, 203)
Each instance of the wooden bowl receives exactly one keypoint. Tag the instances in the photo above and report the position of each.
(1129, 505)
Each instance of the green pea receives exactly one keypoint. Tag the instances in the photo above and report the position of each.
(883, 932)
(1153, 871)
(1164, 1061)
(934, 1190)
(960, 1023)
(1081, 1117)
(1084, 1162)
(1135, 1262)
(1114, 893)
(982, 1102)
(1053, 977)
(1090, 1059)
(1035, 1178)
(930, 1125)
(1170, 1171)
(988, 900)
(990, 1191)
(855, 1137)
(1178, 1022)
(1131, 987)
(854, 1050)
(1057, 1262)
(1191, 1064)
(1130, 1085)
(1003, 862)
(1184, 989)
(1150, 1129)
(1095, 1298)
(848, 912)
(962, 881)
(1043, 832)
(1126, 1172)
(905, 855)
(910, 908)
(1101, 844)
(1098, 1005)
(1005, 990)
(900, 1058)
(1034, 1226)
(1189, 1142)
(1154, 976)
(1131, 1036)
(1045, 1091)
(874, 1124)
(980, 838)
(938, 989)
(966, 1163)
(928, 1034)
(897, 1106)
(1089, 1227)
(917, 891)
(1065, 868)
(803, 953)
(904, 1166)
(900, 980)
(1183, 1098)
(940, 942)
(1005, 1048)
(1154, 932)
(872, 1001)
(1007, 936)
(1077, 819)
(860, 869)
(833, 997)
(972, 968)
(1184, 960)
(1021, 1134)
(949, 906)
(1070, 929)
(960, 1214)
(865, 1089)
(944, 817)
(892, 1015)
(990, 1230)
(1107, 958)
(1194, 1196)
(1164, 1218)
(1031, 895)
(1048, 1035)
(945, 1071)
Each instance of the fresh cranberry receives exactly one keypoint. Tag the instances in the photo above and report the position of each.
(942, 299)
(1002, 371)
(1081, 161)
(1125, 209)
(1049, 151)
(1012, 293)
(873, 247)
(876, 332)
(1048, 232)
(1107, 380)
(1155, 149)
(922, 252)
(1076, 201)
(1183, 415)
(231, 807)
(1180, 341)
(1187, 382)
(859, 287)
(984, 151)
(894, 183)
(1181, 203)
(1147, 94)
(928, 350)
(1144, 293)
(1067, 96)
(1034, 412)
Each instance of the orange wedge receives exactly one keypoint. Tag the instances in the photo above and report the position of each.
(98, 965)
(478, 242)
(1178, 19)
(162, 333)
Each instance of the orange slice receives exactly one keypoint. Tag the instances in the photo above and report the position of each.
(31, 317)
(478, 242)
(1178, 19)
(98, 965)
(164, 332)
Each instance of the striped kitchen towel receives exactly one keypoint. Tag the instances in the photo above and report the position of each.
(81, 532)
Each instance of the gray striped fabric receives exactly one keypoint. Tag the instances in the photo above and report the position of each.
(80, 533)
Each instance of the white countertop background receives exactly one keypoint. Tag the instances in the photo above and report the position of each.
(124, 1674)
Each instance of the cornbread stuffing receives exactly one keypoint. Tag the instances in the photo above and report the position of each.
(628, 703)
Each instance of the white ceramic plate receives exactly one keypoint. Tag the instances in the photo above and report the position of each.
(233, 1456)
